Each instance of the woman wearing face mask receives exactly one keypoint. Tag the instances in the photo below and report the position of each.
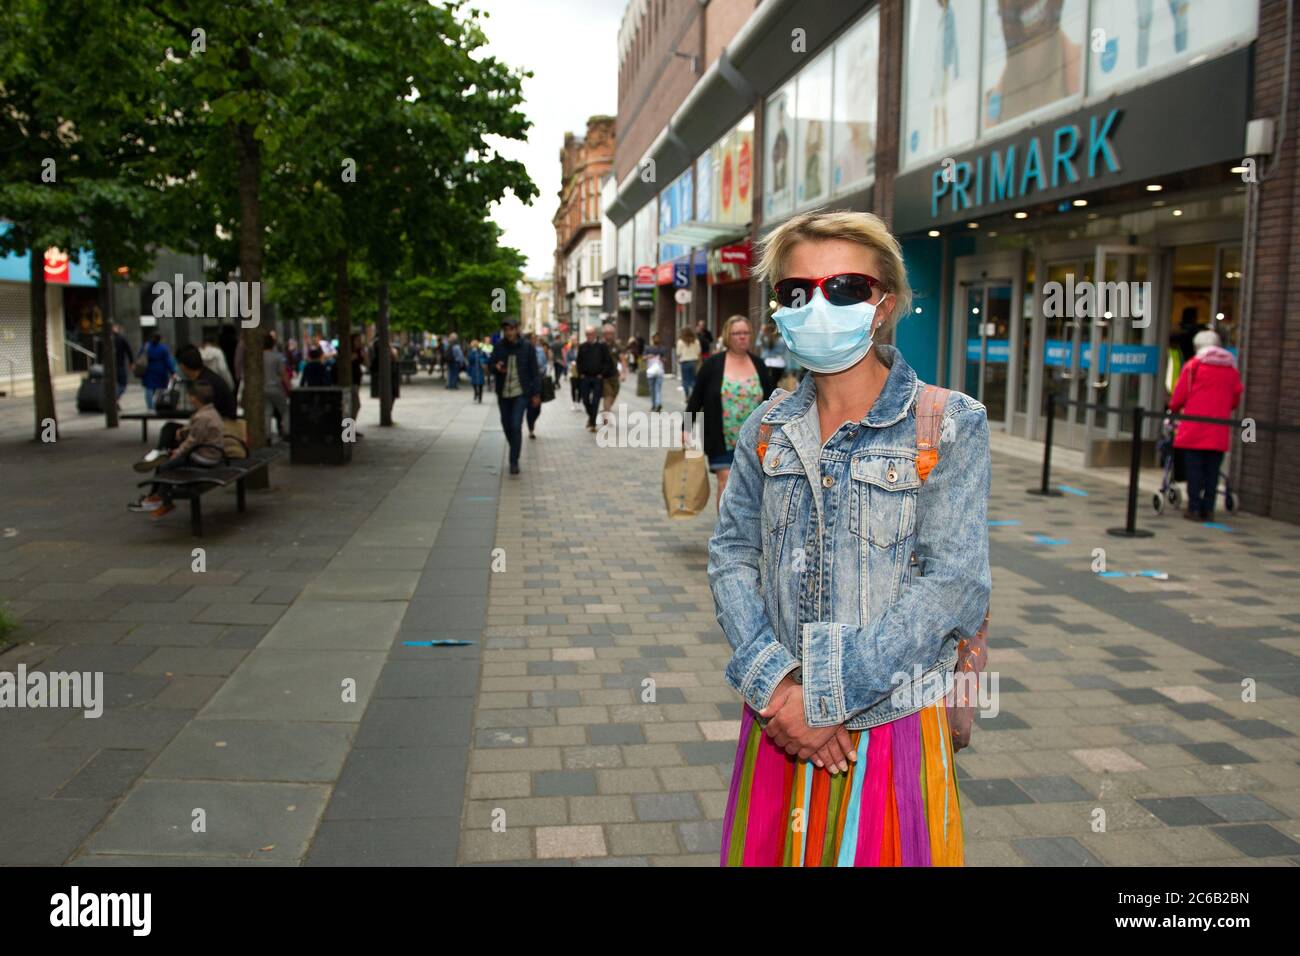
(848, 566)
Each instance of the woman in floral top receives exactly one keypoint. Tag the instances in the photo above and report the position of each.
(731, 383)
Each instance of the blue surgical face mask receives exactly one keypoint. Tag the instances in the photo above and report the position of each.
(825, 337)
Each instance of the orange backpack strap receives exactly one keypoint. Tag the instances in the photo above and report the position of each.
(765, 429)
(930, 404)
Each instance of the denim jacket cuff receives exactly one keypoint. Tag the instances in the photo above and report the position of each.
(769, 668)
(823, 686)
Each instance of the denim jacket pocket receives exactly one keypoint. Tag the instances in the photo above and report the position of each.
(883, 507)
(782, 473)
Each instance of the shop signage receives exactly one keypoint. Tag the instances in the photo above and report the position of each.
(1153, 131)
(1123, 359)
(665, 274)
(624, 283)
(998, 352)
(643, 298)
(56, 265)
(645, 277)
(729, 263)
(681, 275)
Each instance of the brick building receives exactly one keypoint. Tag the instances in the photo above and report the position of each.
(1016, 149)
(585, 161)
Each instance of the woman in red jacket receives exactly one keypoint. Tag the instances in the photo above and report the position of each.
(1209, 386)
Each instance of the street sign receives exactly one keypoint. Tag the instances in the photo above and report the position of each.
(682, 296)
(681, 274)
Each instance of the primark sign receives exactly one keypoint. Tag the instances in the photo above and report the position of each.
(1153, 131)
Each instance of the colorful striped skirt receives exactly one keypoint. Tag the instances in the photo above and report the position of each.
(896, 806)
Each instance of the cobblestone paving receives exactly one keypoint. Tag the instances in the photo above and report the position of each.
(537, 743)
(1118, 694)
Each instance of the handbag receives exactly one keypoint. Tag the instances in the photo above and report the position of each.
(141, 366)
(548, 389)
(167, 399)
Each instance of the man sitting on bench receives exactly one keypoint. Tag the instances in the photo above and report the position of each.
(190, 362)
(203, 429)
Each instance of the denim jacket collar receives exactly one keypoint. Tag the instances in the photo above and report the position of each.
(893, 403)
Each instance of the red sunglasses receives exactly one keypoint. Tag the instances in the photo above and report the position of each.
(843, 288)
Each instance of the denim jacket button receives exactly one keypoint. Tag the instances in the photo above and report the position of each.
(891, 476)
(828, 481)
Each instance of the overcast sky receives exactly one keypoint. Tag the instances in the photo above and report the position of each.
(571, 46)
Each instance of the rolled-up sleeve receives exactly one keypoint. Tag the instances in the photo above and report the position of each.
(848, 668)
(759, 661)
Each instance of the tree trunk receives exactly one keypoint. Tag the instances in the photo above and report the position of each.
(383, 359)
(249, 158)
(42, 385)
(343, 324)
(110, 347)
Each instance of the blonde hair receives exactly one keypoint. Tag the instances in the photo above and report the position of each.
(862, 228)
(725, 335)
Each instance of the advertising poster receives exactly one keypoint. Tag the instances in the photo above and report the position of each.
(778, 151)
(1033, 56)
(813, 104)
(853, 127)
(705, 210)
(1134, 37)
(942, 77)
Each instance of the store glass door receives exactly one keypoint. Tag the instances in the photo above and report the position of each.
(988, 345)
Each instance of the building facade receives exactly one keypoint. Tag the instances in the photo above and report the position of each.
(536, 304)
(585, 162)
(1078, 187)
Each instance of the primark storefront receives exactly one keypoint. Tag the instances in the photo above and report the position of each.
(1070, 198)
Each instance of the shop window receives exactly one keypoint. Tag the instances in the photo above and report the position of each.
(1137, 40)
(853, 113)
(1033, 57)
(941, 77)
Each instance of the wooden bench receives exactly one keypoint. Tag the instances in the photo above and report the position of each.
(144, 418)
(193, 483)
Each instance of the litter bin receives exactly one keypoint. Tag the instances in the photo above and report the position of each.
(642, 383)
(316, 430)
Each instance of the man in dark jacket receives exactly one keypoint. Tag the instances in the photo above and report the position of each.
(518, 384)
(595, 364)
(124, 358)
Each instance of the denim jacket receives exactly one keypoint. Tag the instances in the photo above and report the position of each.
(837, 562)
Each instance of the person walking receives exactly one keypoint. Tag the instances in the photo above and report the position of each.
(610, 385)
(534, 411)
(122, 358)
(595, 364)
(476, 365)
(688, 358)
(655, 356)
(518, 384)
(705, 338)
(559, 361)
(571, 360)
(455, 361)
(1210, 386)
(215, 359)
(274, 395)
(852, 462)
(161, 366)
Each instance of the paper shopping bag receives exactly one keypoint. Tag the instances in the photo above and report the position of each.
(686, 483)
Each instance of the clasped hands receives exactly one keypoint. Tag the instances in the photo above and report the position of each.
(826, 747)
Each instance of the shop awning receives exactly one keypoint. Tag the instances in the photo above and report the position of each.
(702, 235)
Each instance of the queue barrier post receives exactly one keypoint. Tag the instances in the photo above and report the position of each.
(1130, 529)
(1046, 490)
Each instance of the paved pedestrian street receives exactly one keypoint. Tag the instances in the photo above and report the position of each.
(284, 706)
